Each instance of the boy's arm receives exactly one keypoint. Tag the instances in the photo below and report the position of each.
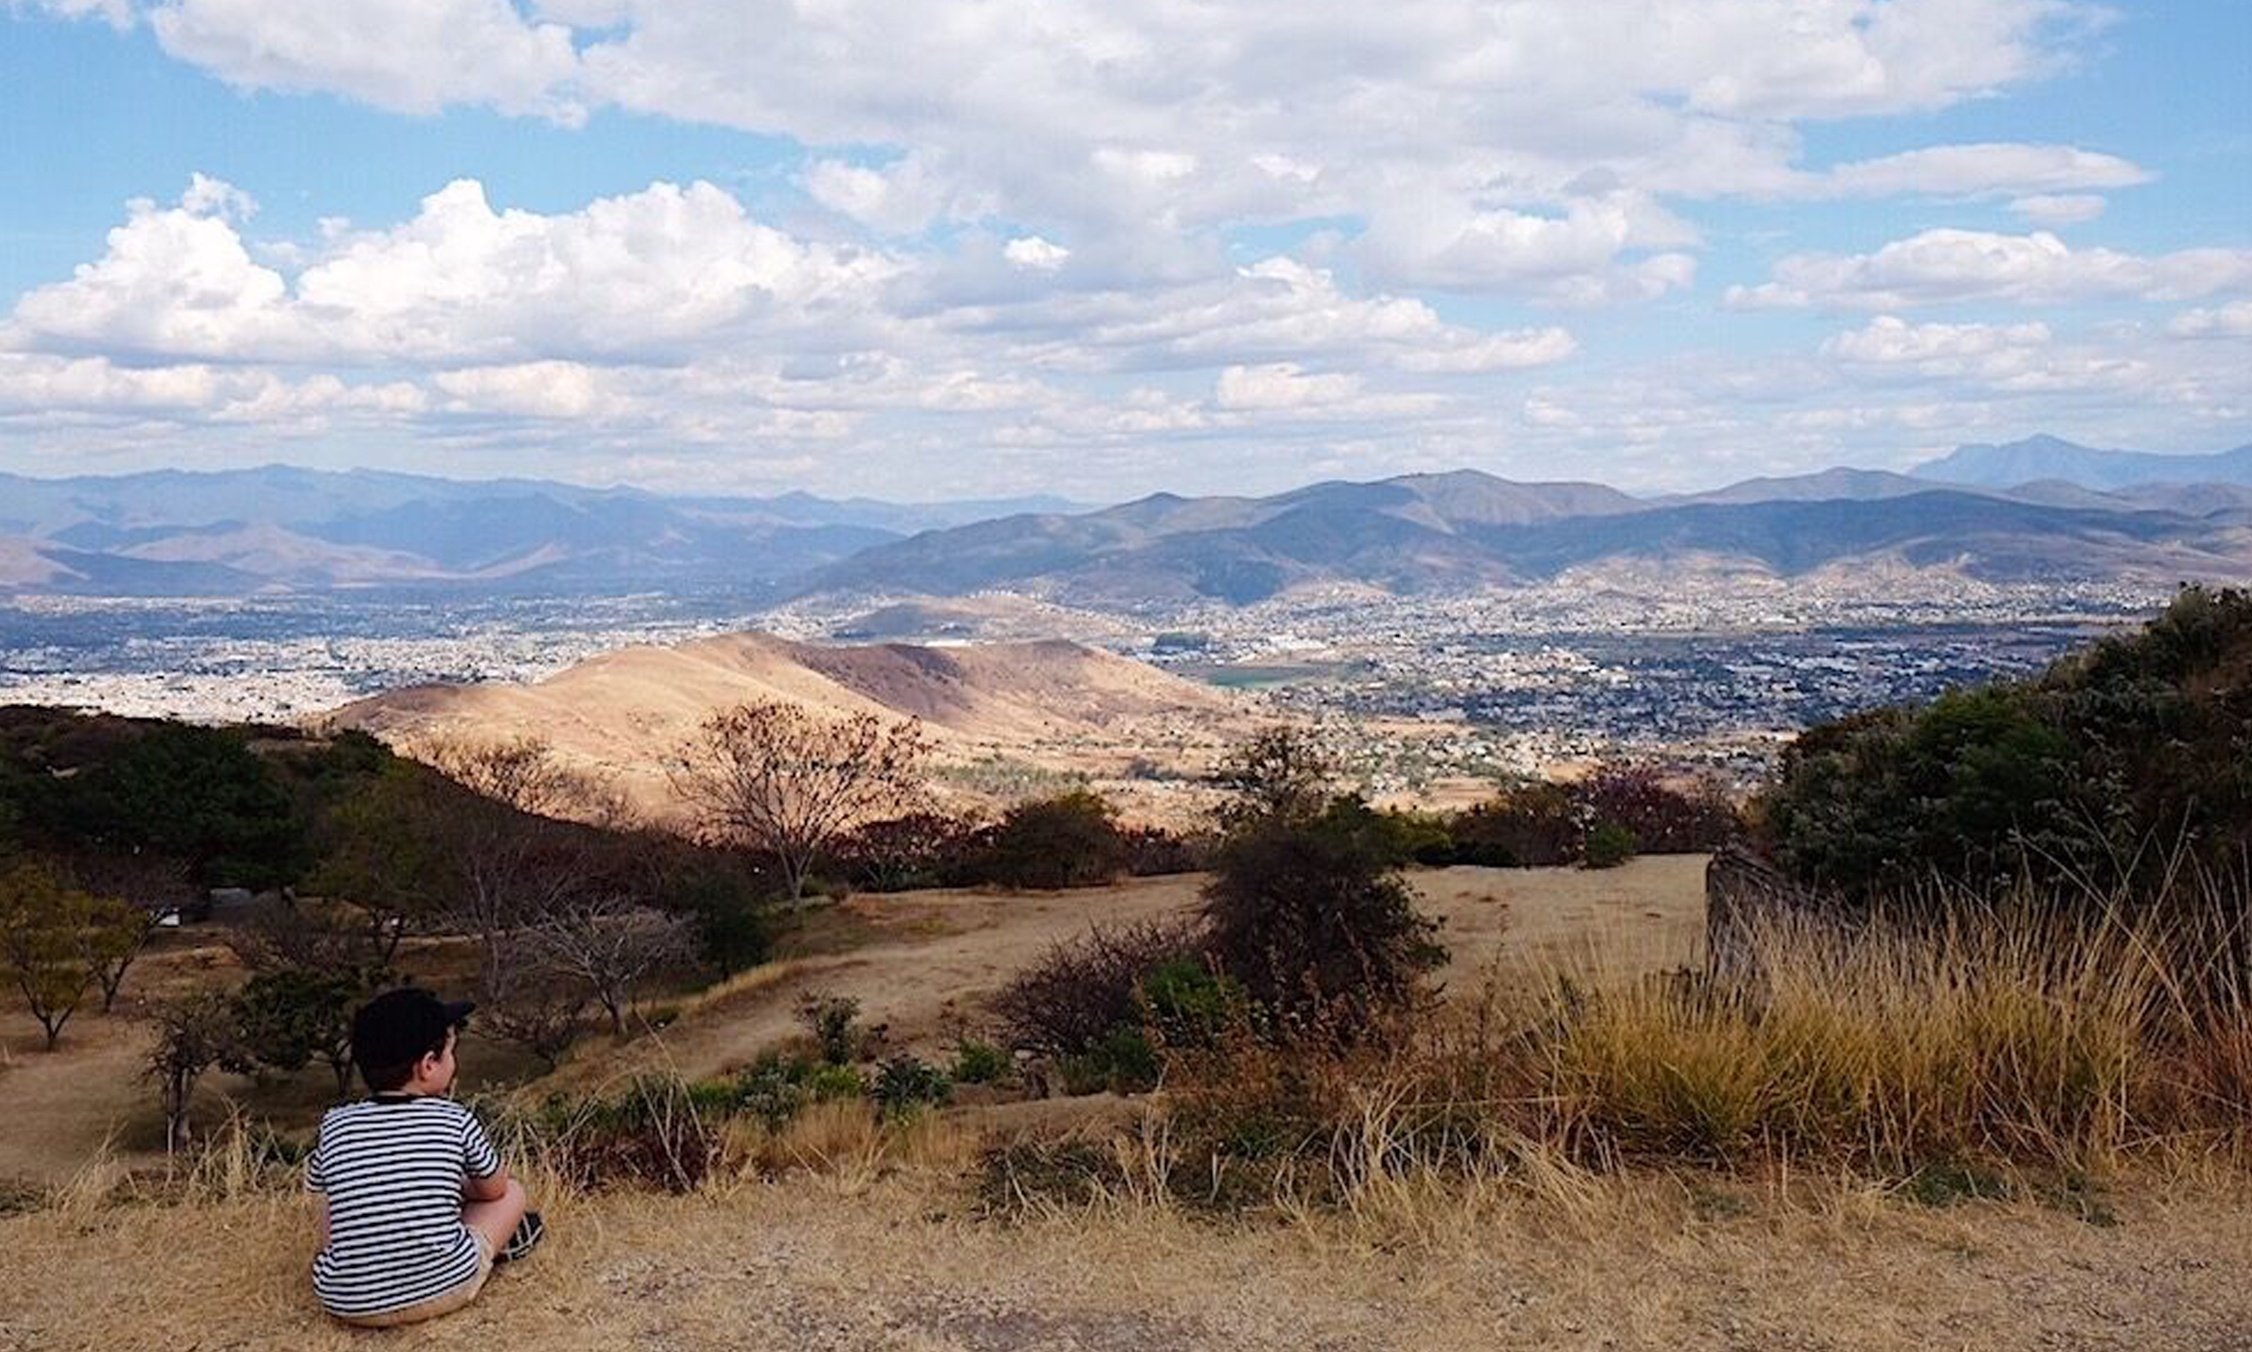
(316, 1183)
(484, 1177)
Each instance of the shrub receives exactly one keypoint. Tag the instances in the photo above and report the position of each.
(659, 1132)
(1122, 1061)
(1281, 771)
(731, 927)
(1071, 840)
(1311, 917)
(980, 1062)
(1082, 989)
(1608, 846)
(922, 849)
(832, 1022)
(288, 1017)
(1662, 818)
(906, 1084)
(2058, 779)
(1154, 852)
(1528, 824)
(1186, 1003)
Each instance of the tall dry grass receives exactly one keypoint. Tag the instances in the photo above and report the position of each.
(2006, 1042)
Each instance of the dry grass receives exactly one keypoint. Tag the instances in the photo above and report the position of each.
(904, 1262)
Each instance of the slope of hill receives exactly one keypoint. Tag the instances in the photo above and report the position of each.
(1467, 530)
(622, 712)
(2047, 457)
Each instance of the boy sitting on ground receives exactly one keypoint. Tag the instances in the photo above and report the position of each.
(415, 1204)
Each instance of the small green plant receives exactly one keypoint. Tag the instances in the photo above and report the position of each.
(1123, 1063)
(907, 1084)
(835, 1082)
(979, 1062)
(831, 1020)
(1187, 1003)
(1608, 846)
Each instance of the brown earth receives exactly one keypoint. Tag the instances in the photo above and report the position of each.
(920, 963)
(1053, 704)
(903, 1258)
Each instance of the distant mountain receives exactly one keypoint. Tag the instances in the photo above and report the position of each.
(1414, 533)
(226, 532)
(1432, 533)
(2046, 457)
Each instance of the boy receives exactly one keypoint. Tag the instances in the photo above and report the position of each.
(415, 1204)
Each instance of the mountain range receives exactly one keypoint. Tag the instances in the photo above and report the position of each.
(2051, 458)
(2039, 509)
(228, 532)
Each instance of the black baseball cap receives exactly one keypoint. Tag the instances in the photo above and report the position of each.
(400, 1027)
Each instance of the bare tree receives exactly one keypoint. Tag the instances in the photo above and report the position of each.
(531, 1005)
(1280, 772)
(609, 942)
(778, 778)
(194, 1033)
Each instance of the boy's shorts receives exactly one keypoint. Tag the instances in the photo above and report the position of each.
(430, 1307)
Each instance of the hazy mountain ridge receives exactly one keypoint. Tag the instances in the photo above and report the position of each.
(177, 532)
(2045, 457)
(1433, 533)
(236, 532)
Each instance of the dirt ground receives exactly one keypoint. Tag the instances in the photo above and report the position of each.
(905, 1265)
(920, 963)
(925, 961)
(906, 1261)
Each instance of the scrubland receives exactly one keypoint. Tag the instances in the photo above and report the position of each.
(1983, 1138)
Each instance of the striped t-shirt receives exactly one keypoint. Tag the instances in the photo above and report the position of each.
(393, 1168)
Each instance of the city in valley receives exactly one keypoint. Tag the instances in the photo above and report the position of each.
(1412, 693)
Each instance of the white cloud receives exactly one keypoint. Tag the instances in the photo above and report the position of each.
(1888, 339)
(175, 281)
(898, 199)
(2233, 320)
(1945, 266)
(648, 275)
(414, 56)
(1136, 128)
(2058, 209)
(117, 13)
(2005, 168)
(1035, 253)
(1281, 385)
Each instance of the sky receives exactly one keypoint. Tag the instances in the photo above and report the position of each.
(1107, 247)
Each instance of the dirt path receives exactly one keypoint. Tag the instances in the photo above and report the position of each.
(939, 955)
(905, 1266)
(62, 1106)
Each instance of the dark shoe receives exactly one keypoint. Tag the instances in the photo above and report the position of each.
(526, 1238)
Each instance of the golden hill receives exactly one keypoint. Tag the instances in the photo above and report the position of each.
(1052, 704)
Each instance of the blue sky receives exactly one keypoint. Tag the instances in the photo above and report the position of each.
(1102, 249)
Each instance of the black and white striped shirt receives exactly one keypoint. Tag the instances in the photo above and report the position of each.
(393, 1169)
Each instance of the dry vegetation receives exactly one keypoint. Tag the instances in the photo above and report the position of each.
(942, 1231)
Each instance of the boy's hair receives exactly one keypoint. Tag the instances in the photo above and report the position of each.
(394, 1031)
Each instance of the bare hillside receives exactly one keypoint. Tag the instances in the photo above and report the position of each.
(1052, 703)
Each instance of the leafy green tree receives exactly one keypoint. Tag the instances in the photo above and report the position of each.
(55, 941)
(193, 793)
(288, 1017)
